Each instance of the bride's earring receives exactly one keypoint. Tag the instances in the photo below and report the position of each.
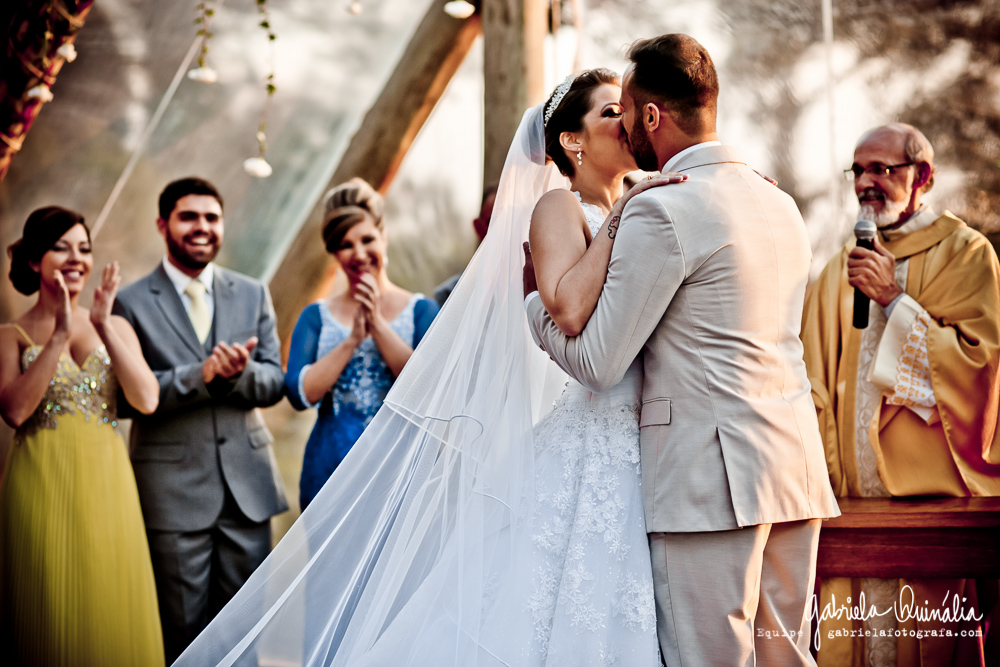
(579, 157)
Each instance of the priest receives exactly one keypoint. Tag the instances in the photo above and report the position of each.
(908, 405)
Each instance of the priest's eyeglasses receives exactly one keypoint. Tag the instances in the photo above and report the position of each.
(874, 169)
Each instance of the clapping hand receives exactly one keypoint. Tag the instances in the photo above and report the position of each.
(359, 329)
(104, 296)
(368, 295)
(227, 360)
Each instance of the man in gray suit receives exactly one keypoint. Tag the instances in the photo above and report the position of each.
(707, 280)
(207, 477)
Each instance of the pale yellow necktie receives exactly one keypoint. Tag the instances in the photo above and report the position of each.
(198, 310)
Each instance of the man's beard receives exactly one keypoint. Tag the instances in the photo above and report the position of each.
(642, 148)
(176, 250)
(891, 210)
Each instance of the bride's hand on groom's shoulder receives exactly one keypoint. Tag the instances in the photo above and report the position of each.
(654, 181)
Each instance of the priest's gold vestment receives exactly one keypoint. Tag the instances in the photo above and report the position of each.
(954, 275)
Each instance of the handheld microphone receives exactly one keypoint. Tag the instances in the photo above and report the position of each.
(864, 232)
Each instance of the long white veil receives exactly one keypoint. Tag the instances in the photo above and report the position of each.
(397, 558)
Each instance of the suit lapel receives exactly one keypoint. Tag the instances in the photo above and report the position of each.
(172, 307)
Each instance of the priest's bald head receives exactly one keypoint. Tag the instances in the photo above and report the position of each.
(893, 166)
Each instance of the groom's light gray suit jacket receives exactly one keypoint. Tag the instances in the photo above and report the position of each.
(204, 438)
(707, 280)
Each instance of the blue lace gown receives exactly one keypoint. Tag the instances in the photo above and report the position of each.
(345, 411)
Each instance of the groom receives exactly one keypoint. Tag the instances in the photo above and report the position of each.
(707, 281)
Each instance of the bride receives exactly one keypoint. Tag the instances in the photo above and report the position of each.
(455, 533)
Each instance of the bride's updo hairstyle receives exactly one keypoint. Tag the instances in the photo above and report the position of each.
(345, 206)
(567, 116)
(43, 228)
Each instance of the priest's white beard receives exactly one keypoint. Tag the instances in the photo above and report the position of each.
(891, 211)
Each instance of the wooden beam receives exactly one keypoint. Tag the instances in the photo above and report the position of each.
(514, 69)
(38, 28)
(431, 58)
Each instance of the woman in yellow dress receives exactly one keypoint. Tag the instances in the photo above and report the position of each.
(76, 583)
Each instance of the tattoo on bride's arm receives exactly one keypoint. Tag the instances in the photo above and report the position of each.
(613, 227)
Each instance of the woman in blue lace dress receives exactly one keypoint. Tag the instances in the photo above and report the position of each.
(348, 348)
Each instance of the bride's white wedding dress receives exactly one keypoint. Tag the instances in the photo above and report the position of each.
(590, 590)
(455, 533)
(578, 590)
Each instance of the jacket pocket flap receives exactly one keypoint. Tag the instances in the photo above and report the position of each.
(654, 412)
(160, 452)
(260, 437)
(255, 420)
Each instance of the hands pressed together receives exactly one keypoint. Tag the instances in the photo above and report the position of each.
(874, 273)
(369, 316)
(227, 361)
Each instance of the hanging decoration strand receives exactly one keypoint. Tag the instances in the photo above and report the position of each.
(258, 166)
(203, 73)
(205, 14)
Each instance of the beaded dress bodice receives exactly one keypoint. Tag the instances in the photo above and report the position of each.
(89, 389)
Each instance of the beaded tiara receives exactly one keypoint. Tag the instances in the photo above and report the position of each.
(557, 96)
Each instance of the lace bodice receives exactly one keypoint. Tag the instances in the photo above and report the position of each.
(627, 391)
(591, 592)
(594, 215)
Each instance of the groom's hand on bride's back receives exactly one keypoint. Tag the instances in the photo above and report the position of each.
(528, 275)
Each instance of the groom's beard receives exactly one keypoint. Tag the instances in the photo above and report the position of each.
(642, 148)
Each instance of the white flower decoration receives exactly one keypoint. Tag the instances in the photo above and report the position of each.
(257, 167)
(459, 9)
(203, 75)
(67, 51)
(40, 92)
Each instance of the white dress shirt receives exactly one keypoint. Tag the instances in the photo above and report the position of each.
(180, 281)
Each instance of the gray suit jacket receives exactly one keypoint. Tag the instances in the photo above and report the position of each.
(204, 438)
(707, 279)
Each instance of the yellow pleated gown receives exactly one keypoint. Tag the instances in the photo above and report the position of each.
(76, 583)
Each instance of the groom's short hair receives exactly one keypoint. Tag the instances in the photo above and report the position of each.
(676, 72)
(182, 187)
